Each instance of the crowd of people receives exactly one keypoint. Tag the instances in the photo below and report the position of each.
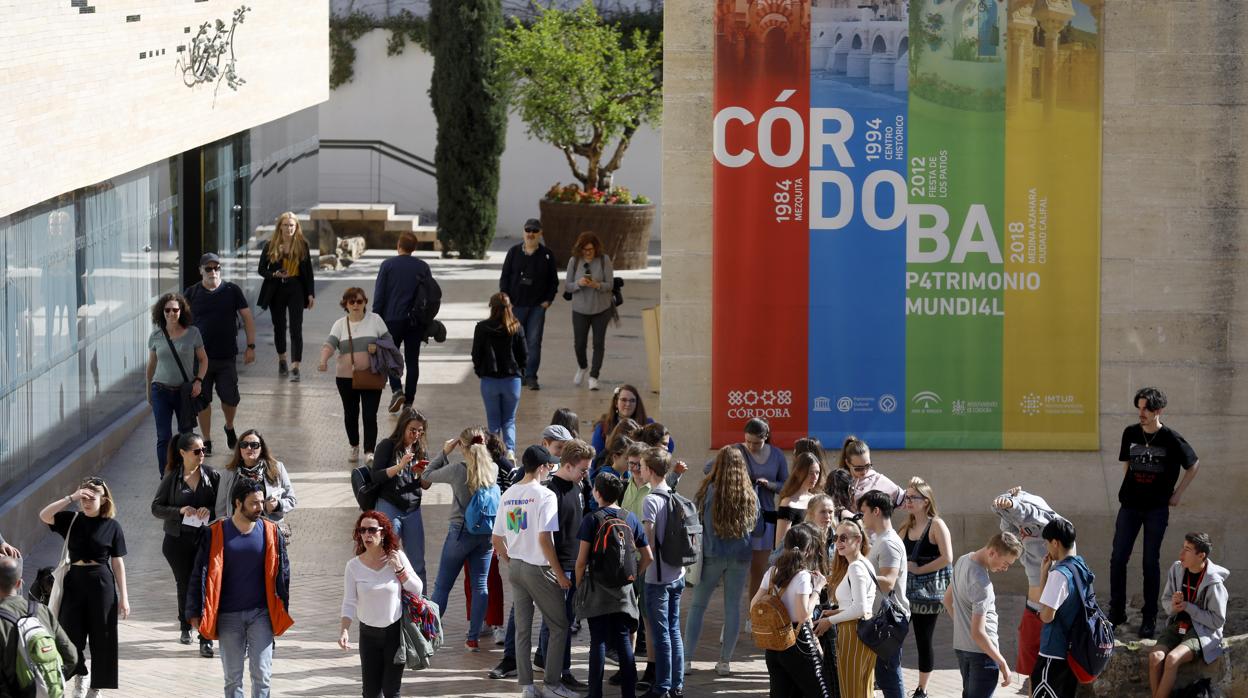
(591, 532)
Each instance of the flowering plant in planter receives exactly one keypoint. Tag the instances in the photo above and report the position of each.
(573, 194)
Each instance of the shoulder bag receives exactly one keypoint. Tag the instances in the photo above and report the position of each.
(886, 630)
(58, 574)
(188, 403)
(362, 378)
(927, 589)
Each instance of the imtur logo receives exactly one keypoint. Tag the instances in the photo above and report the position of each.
(517, 520)
(926, 399)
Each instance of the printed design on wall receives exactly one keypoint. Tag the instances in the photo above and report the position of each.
(202, 61)
(907, 211)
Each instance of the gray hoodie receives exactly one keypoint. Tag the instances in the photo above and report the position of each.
(1027, 519)
(587, 300)
(1208, 614)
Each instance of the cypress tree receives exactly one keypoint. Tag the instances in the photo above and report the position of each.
(471, 112)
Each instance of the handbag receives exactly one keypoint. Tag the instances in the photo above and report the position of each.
(886, 630)
(58, 574)
(927, 589)
(363, 378)
(186, 400)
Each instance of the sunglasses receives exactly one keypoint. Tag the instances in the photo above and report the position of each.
(915, 498)
(530, 230)
(173, 310)
(363, 530)
(846, 537)
(860, 468)
(93, 482)
(356, 301)
(198, 451)
(250, 445)
(212, 269)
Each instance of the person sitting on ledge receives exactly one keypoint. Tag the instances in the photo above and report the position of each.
(1196, 589)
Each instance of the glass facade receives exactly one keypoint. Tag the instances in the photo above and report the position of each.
(79, 274)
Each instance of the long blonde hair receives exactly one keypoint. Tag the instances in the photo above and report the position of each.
(796, 482)
(839, 564)
(734, 511)
(298, 247)
(920, 485)
(482, 472)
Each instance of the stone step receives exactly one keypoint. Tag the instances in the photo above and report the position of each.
(403, 223)
(351, 212)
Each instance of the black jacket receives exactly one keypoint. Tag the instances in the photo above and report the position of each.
(496, 354)
(529, 279)
(266, 268)
(403, 490)
(164, 506)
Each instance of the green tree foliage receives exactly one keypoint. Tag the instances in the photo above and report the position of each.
(581, 85)
(471, 109)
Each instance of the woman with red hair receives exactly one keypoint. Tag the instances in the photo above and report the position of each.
(372, 594)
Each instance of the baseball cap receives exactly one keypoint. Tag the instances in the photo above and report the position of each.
(209, 257)
(533, 224)
(535, 456)
(555, 432)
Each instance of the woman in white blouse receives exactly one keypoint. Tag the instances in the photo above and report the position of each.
(371, 595)
(855, 595)
(353, 338)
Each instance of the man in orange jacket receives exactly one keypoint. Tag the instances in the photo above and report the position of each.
(239, 591)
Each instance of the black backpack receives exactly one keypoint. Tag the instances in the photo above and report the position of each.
(613, 557)
(1091, 638)
(426, 302)
(363, 487)
(682, 532)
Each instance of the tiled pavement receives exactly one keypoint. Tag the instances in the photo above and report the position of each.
(303, 424)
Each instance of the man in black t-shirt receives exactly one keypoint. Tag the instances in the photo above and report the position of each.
(1152, 457)
(566, 484)
(215, 307)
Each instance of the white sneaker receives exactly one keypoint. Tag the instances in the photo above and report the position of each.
(558, 691)
(500, 635)
(723, 668)
(78, 687)
(368, 458)
(593, 383)
(354, 455)
(580, 376)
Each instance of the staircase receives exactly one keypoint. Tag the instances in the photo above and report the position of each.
(378, 224)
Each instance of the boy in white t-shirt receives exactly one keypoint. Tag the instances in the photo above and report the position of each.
(524, 540)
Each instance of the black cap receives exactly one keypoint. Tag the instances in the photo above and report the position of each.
(209, 257)
(535, 456)
(533, 224)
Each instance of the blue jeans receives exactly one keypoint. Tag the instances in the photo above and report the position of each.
(734, 573)
(460, 546)
(663, 615)
(611, 630)
(543, 634)
(410, 528)
(533, 318)
(166, 405)
(979, 674)
(501, 397)
(1127, 527)
(888, 676)
(247, 633)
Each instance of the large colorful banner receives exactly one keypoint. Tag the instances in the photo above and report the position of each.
(907, 222)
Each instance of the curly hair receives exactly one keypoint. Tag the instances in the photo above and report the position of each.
(389, 541)
(734, 510)
(184, 314)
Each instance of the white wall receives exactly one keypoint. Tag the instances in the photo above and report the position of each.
(389, 100)
(78, 105)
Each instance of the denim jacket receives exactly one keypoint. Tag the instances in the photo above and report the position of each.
(713, 545)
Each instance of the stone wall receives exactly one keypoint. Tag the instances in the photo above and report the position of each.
(99, 86)
(1173, 309)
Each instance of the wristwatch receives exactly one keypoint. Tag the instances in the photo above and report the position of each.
(197, 378)
(251, 346)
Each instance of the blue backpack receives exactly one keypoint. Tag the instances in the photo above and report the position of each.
(1091, 638)
(481, 510)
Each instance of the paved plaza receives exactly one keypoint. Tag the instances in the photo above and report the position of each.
(303, 424)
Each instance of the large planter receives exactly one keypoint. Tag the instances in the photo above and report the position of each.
(624, 230)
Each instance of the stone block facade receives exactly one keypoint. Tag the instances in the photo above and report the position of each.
(1173, 312)
(95, 88)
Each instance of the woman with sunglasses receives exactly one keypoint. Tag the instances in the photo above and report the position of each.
(187, 500)
(728, 509)
(589, 282)
(354, 338)
(253, 460)
(929, 551)
(167, 371)
(797, 579)
(498, 358)
(95, 586)
(855, 457)
(852, 579)
(373, 585)
(401, 458)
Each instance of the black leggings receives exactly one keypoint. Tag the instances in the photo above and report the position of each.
(924, 625)
(382, 677)
(352, 400)
(288, 298)
(89, 614)
(581, 325)
(798, 671)
(180, 553)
